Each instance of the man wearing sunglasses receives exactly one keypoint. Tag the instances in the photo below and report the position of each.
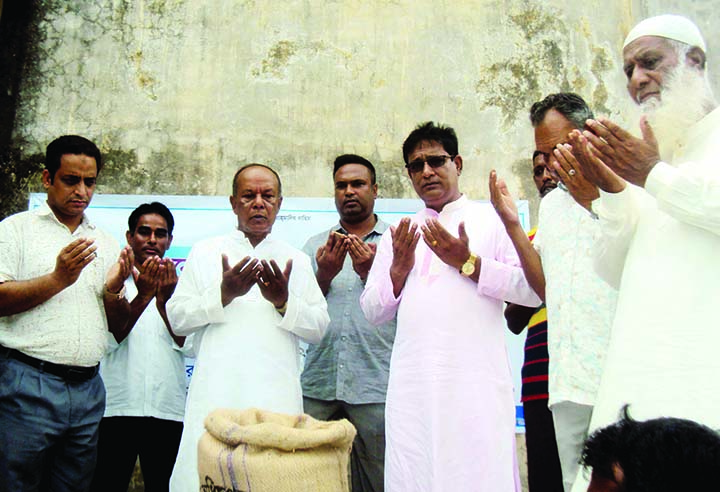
(446, 272)
(559, 266)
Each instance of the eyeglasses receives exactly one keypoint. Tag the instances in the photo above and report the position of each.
(434, 161)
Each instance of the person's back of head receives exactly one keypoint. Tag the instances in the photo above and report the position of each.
(659, 455)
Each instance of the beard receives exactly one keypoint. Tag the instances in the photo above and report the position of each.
(686, 98)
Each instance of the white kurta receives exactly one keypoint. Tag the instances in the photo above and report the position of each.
(450, 417)
(247, 354)
(661, 246)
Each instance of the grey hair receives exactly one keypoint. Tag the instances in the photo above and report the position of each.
(571, 106)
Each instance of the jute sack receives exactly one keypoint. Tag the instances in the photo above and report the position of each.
(259, 451)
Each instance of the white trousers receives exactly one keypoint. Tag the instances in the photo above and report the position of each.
(571, 422)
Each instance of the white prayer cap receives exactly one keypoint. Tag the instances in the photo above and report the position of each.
(668, 26)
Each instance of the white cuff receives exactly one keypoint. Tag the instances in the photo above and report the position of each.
(659, 178)
(612, 205)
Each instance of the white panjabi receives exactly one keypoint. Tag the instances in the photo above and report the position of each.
(668, 26)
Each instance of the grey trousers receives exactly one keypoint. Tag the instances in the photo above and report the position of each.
(48, 429)
(367, 461)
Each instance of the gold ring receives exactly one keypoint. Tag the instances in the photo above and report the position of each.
(434, 243)
(266, 283)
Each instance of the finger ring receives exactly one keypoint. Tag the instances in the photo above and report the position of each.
(434, 243)
(571, 172)
(266, 283)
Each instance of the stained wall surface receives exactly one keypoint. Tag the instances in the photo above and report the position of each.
(180, 93)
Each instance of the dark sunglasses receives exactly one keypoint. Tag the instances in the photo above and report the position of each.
(434, 161)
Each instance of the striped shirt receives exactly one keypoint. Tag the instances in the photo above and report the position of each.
(535, 368)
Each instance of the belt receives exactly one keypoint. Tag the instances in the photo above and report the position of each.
(68, 373)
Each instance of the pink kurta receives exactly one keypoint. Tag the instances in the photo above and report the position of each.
(450, 415)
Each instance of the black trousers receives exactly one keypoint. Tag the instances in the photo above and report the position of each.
(544, 473)
(123, 439)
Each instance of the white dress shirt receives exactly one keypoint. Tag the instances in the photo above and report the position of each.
(69, 328)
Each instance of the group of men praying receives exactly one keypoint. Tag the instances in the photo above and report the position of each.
(404, 322)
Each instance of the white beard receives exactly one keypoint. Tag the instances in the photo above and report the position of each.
(686, 98)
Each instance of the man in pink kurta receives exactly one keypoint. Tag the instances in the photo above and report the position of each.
(449, 414)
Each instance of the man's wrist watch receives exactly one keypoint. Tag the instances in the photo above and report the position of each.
(282, 309)
(468, 267)
(116, 295)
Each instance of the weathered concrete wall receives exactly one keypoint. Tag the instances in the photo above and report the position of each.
(179, 93)
(18, 34)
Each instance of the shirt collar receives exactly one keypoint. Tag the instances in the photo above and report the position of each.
(449, 207)
(379, 228)
(44, 210)
(240, 236)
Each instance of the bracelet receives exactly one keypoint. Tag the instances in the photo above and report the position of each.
(282, 309)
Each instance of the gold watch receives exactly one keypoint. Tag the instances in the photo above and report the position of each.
(468, 267)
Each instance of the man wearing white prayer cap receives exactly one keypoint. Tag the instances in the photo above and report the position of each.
(659, 210)
(668, 26)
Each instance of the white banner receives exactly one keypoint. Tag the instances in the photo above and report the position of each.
(198, 217)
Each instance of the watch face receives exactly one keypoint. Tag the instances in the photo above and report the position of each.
(468, 268)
